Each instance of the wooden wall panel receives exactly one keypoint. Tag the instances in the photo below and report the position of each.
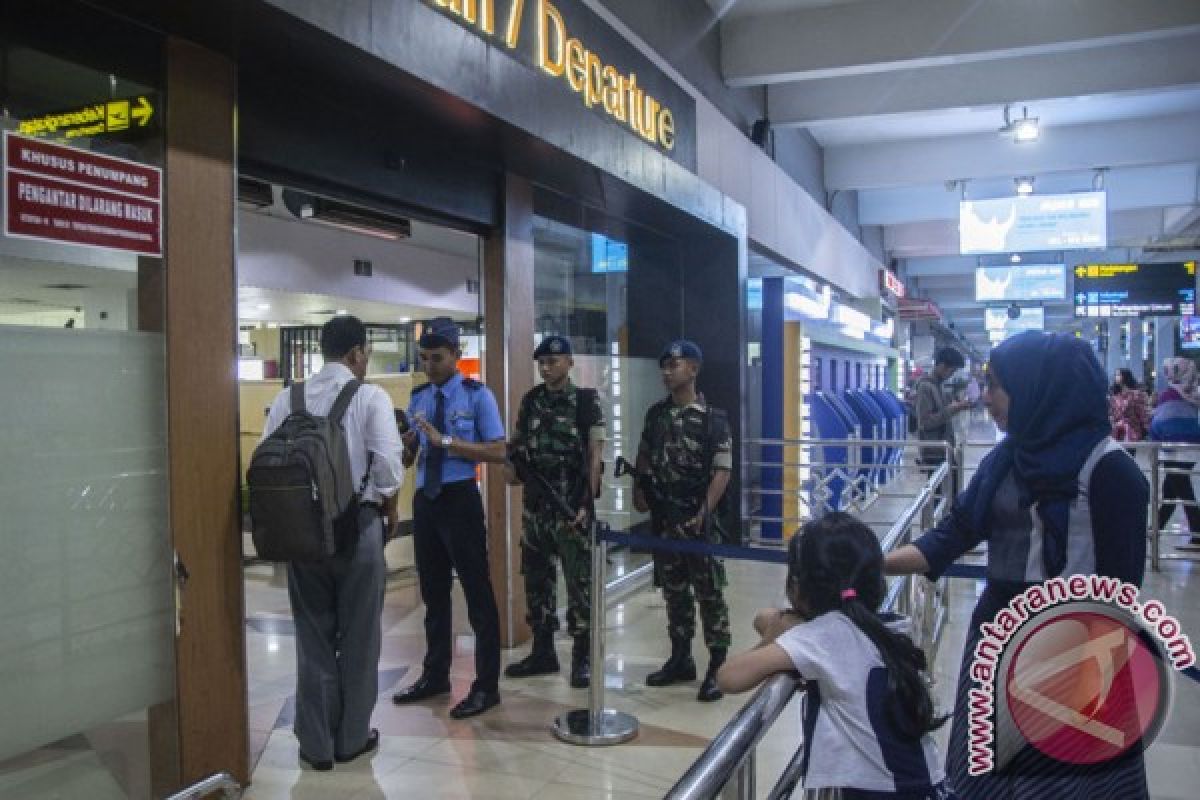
(202, 406)
(508, 319)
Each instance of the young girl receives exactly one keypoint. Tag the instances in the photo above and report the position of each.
(867, 713)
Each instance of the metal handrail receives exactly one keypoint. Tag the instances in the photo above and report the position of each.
(222, 782)
(727, 766)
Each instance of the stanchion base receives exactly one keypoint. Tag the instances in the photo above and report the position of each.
(606, 727)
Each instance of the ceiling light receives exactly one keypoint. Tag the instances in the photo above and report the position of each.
(405, 320)
(1025, 129)
(341, 312)
(1015, 258)
(1024, 185)
(263, 306)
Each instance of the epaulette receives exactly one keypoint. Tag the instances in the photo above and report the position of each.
(472, 384)
(421, 388)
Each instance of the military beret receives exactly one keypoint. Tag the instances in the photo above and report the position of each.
(553, 346)
(682, 348)
(440, 332)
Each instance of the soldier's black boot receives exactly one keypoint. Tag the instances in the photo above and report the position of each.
(581, 663)
(709, 693)
(679, 667)
(541, 661)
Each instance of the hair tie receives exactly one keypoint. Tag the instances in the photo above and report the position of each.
(849, 594)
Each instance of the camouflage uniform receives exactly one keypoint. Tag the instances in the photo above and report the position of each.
(546, 433)
(673, 442)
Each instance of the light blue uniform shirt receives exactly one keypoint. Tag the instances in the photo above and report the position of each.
(471, 415)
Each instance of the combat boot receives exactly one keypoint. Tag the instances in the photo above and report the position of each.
(679, 667)
(542, 660)
(581, 663)
(709, 693)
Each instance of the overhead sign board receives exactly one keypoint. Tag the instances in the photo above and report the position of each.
(1135, 290)
(888, 282)
(1020, 283)
(127, 115)
(910, 309)
(62, 194)
(569, 44)
(1030, 319)
(1028, 223)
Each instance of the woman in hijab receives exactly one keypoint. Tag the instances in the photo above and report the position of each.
(1048, 392)
(1175, 420)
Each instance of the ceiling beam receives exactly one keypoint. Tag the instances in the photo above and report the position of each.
(1151, 65)
(885, 35)
(1126, 143)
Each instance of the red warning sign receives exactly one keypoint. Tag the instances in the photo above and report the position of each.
(62, 194)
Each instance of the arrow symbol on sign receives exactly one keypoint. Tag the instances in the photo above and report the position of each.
(143, 112)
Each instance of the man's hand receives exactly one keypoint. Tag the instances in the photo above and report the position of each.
(581, 519)
(410, 440)
(431, 433)
(777, 621)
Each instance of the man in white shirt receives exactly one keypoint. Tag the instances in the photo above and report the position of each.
(337, 603)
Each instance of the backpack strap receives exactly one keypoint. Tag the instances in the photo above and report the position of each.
(343, 401)
(298, 397)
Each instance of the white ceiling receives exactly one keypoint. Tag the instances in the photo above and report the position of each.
(299, 308)
(1053, 113)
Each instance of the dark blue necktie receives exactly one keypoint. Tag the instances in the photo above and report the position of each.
(437, 454)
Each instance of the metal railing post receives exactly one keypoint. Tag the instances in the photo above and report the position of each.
(1155, 500)
(596, 725)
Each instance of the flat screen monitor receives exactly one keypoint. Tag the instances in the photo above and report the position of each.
(609, 255)
(1021, 283)
(1028, 223)
(1189, 333)
(1031, 319)
(1162, 289)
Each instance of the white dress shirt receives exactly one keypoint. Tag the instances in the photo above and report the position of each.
(370, 426)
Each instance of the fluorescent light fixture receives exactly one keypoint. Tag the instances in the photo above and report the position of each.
(1024, 185)
(1015, 258)
(263, 306)
(341, 312)
(405, 320)
(1025, 129)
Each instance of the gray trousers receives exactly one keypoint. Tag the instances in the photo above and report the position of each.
(337, 606)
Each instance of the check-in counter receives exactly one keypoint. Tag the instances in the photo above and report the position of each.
(255, 398)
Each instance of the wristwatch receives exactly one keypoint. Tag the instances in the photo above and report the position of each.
(447, 440)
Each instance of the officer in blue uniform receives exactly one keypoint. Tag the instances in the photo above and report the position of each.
(455, 425)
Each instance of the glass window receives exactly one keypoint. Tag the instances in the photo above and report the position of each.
(87, 618)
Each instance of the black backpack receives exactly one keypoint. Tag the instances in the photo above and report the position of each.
(302, 499)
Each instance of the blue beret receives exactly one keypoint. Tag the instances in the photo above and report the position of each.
(440, 332)
(682, 348)
(553, 346)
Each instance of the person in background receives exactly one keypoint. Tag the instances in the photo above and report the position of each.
(1175, 420)
(868, 712)
(337, 604)
(455, 425)
(1128, 409)
(934, 412)
(1059, 464)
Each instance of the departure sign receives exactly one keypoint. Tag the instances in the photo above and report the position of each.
(1135, 290)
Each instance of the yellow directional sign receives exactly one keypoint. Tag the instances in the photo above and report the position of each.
(123, 115)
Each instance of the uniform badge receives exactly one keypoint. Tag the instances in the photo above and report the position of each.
(555, 346)
(676, 352)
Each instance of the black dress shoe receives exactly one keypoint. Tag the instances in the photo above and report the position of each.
(370, 747)
(319, 766)
(475, 703)
(423, 689)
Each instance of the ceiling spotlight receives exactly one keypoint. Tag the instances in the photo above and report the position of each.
(1024, 185)
(1024, 129)
(1015, 258)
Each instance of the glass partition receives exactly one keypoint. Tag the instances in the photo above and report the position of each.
(87, 614)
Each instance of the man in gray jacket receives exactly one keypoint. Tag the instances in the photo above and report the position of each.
(933, 412)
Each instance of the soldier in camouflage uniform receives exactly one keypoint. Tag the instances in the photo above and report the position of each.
(560, 436)
(684, 463)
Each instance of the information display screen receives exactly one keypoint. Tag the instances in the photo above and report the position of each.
(1189, 333)
(1028, 223)
(1027, 282)
(1031, 319)
(1135, 290)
